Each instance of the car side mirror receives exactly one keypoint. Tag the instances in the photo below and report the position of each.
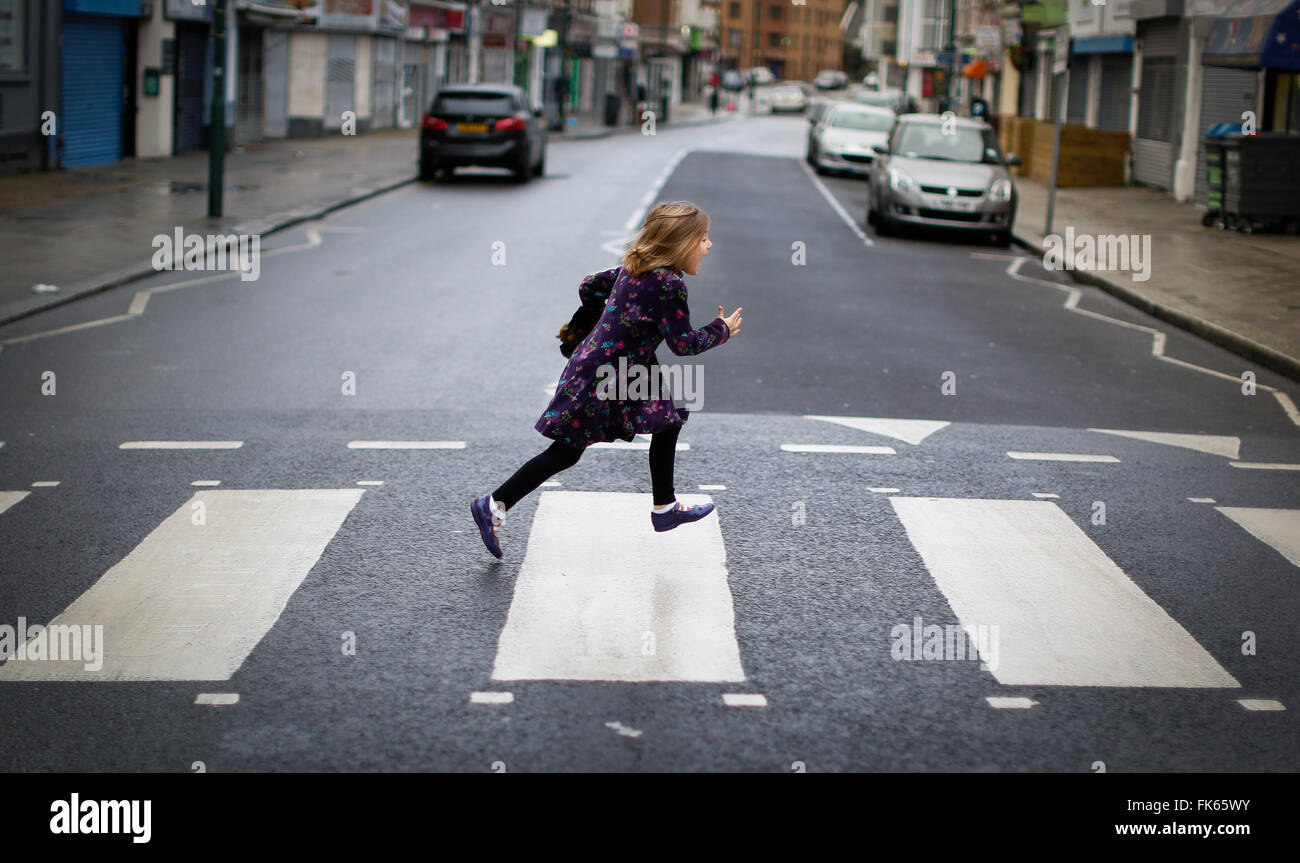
(1012, 160)
(880, 150)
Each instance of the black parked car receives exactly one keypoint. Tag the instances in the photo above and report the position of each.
(491, 125)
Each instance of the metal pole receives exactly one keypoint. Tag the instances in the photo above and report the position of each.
(952, 50)
(1056, 147)
(217, 135)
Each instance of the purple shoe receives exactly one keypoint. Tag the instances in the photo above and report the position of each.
(680, 514)
(487, 528)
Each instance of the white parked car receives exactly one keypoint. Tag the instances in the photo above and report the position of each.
(788, 97)
(845, 137)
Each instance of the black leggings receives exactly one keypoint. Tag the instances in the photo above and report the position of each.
(560, 456)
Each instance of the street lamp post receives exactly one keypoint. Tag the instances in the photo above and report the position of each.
(217, 135)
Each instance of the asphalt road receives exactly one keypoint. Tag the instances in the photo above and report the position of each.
(442, 301)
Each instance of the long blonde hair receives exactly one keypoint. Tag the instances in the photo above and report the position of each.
(669, 233)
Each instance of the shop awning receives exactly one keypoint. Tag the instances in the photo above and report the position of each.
(1256, 34)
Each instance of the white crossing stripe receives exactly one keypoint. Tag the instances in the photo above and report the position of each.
(744, 699)
(911, 431)
(206, 483)
(191, 601)
(1261, 704)
(1279, 528)
(406, 444)
(1010, 702)
(1061, 456)
(45, 483)
(9, 498)
(1201, 499)
(831, 447)
(1227, 446)
(649, 606)
(1066, 614)
(181, 444)
(713, 488)
(491, 698)
(1045, 495)
(1261, 465)
(636, 444)
(218, 698)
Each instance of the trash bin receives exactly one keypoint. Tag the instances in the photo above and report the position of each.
(1261, 181)
(612, 104)
(1213, 142)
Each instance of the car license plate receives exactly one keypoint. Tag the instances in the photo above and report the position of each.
(471, 127)
(954, 204)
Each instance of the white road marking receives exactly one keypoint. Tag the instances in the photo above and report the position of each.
(370, 482)
(911, 431)
(884, 490)
(1066, 614)
(140, 300)
(1225, 445)
(652, 606)
(634, 221)
(1279, 528)
(713, 488)
(623, 730)
(217, 698)
(636, 444)
(1158, 337)
(181, 444)
(1043, 495)
(834, 447)
(1201, 499)
(45, 483)
(406, 444)
(1261, 704)
(1062, 456)
(206, 483)
(191, 601)
(1010, 703)
(1259, 465)
(551, 483)
(9, 498)
(491, 698)
(744, 699)
(835, 205)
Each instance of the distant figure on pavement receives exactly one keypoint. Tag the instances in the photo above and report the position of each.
(713, 100)
(640, 304)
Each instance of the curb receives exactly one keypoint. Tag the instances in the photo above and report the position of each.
(1247, 348)
(125, 275)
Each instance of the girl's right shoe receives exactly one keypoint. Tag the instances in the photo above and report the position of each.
(487, 526)
(679, 514)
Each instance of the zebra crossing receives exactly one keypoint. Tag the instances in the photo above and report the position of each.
(600, 597)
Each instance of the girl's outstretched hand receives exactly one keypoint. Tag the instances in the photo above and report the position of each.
(732, 321)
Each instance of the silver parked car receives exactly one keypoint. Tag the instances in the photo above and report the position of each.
(943, 172)
(845, 136)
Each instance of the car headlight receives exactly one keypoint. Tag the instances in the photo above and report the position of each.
(1000, 190)
(900, 182)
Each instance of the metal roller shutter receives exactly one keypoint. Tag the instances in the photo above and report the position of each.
(1077, 109)
(1027, 95)
(1225, 95)
(93, 53)
(191, 53)
(1160, 38)
(1153, 152)
(248, 114)
(385, 87)
(275, 72)
(340, 78)
(1116, 79)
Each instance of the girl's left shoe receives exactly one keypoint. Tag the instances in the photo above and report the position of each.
(487, 525)
(679, 514)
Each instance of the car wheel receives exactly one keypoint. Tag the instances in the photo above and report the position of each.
(884, 227)
(541, 164)
(428, 171)
(1002, 239)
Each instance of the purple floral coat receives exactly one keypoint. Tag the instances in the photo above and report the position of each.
(640, 312)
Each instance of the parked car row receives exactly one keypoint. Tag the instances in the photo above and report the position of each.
(924, 170)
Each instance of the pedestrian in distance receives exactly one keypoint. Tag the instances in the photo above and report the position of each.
(713, 100)
(625, 313)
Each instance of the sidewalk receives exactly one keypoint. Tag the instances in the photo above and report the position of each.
(1237, 290)
(85, 230)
